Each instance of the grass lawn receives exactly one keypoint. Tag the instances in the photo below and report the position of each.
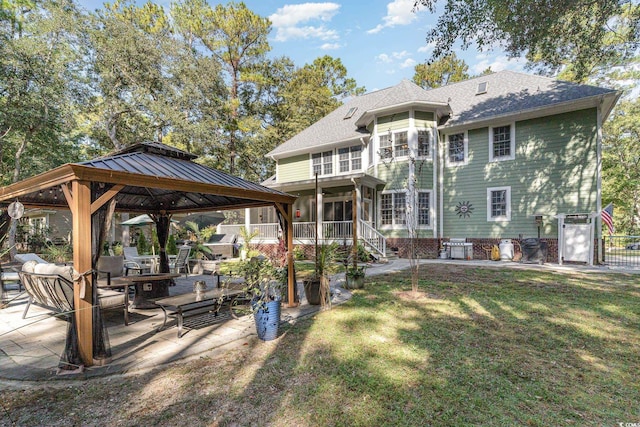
(478, 346)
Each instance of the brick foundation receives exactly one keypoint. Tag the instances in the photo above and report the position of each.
(429, 248)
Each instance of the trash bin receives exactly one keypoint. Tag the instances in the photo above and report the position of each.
(534, 250)
(506, 250)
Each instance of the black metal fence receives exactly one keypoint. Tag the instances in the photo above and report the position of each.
(622, 251)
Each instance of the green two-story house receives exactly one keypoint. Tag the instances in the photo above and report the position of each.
(497, 156)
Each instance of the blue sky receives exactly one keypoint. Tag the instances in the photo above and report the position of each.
(379, 41)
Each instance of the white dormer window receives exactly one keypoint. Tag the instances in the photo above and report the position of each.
(482, 88)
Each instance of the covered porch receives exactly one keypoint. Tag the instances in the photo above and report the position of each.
(324, 208)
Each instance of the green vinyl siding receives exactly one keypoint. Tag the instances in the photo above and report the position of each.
(395, 174)
(424, 174)
(293, 169)
(393, 122)
(423, 119)
(554, 172)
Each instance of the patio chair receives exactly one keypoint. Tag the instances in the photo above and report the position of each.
(8, 275)
(133, 262)
(109, 268)
(182, 261)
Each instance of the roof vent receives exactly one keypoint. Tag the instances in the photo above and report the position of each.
(482, 88)
(350, 113)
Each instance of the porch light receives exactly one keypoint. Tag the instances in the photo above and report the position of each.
(297, 213)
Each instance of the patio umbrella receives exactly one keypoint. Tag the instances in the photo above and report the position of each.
(138, 220)
(204, 219)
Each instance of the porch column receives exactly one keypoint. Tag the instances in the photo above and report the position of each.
(81, 219)
(247, 219)
(291, 282)
(355, 214)
(319, 215)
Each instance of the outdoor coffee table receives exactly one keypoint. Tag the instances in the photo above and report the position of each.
(144, 293)
(195, 303)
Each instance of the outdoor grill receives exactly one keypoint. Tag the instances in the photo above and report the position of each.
(459, 249)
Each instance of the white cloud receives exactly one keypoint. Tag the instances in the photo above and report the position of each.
(330, 46)
(399, 12)
(288, 19)
(429, 46)
(290, 33)
(498, 63)
(408, 63)
(394, 56)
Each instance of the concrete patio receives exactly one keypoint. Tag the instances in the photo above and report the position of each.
(30, 348)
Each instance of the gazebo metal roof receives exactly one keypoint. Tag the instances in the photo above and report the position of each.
(156, 177)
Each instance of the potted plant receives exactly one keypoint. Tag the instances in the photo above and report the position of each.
(199, 250)
(354, 276)
(318, 287)
(264, 285)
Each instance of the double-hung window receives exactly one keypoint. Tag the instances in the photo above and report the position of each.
(350, 159)
(396, 145)
(424, 205)
(424, 144)
(501, 143)
(456, 148)
(401, 144)
(322, 163)
(499, 204)
(386, 149)
(393, 209)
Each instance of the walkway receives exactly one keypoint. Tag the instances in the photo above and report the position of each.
(30, 348)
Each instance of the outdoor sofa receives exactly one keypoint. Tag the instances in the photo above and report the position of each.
(51, 286)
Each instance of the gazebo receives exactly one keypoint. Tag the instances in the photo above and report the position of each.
(150, 178)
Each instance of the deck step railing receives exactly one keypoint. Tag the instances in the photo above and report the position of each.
(372, 238)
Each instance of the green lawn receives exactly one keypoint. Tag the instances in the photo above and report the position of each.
(478, 347)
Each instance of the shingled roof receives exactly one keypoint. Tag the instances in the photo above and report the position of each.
(508, 94)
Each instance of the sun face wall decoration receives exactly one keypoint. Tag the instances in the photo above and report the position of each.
(464, 209)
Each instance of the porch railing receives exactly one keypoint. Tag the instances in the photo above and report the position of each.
(331, 230)
(373, 238)
(304, 230)
(337, 230)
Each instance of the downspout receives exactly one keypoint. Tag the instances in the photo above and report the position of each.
(441, 186)
(598, 218)
(436, 163)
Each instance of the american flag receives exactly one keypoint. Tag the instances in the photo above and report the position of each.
(607, 217)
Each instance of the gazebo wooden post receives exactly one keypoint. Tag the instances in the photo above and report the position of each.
(81, 212)
(291, 283)
(286, 211)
